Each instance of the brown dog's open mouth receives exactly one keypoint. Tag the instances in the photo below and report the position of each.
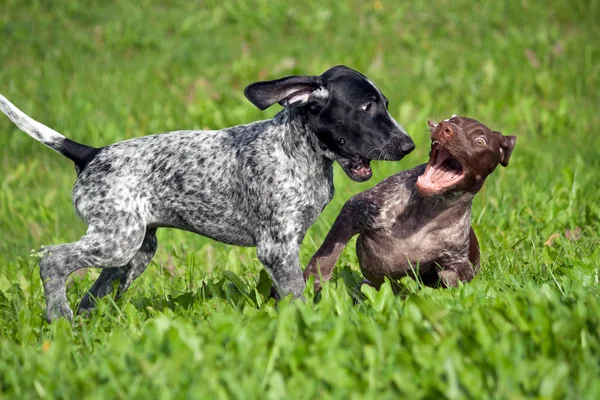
(442, 172)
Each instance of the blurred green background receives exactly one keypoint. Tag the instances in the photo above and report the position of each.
(101, 72)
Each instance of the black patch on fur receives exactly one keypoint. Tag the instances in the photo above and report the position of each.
(80, 154)
(178, 181)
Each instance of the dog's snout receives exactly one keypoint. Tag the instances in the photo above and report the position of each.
(407, 146)
(403, 140)
(446, 130)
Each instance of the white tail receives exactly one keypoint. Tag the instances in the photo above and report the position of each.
(36, 130)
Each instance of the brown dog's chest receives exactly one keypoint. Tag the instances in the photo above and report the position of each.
(414, 242)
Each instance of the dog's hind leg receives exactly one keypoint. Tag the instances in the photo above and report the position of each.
(101, 247)
(100, 288)
(126, 274)
(138, 264)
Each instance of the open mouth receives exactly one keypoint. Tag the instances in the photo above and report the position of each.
(442, 172)
(358, 169)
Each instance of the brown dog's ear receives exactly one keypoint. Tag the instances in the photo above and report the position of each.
(507, 144)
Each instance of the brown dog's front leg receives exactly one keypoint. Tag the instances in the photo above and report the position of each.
(451, 275)
(323, 262)
(462, 271)
(474, 255)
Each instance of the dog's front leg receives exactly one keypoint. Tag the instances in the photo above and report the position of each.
(463, 270)
(450, 275)
(281, 259)
(474, 253)
(323, 262)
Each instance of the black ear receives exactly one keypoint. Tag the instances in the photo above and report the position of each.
(293, 91)
(507, 144)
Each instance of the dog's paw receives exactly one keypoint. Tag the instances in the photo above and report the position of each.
(58, 311)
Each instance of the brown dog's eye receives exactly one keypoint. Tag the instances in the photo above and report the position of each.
(481, 141)
(453, 120)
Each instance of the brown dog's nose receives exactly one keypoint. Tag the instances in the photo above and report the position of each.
(446, 129)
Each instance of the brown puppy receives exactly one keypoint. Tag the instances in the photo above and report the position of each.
(418, 221)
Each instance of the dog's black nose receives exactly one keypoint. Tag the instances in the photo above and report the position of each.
(407, 146)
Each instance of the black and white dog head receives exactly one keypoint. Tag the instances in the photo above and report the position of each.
(347, 113)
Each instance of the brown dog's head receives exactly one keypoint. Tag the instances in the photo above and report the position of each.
(463, 153)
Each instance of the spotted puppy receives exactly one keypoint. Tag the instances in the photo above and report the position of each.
(261, 184)
(418, 221)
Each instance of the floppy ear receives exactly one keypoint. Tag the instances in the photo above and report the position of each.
(293, 91)
(507, 144)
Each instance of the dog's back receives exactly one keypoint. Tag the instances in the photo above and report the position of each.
(202, 181)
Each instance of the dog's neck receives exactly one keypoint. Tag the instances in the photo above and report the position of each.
(455, 201)
(299, 134)
(455, 196)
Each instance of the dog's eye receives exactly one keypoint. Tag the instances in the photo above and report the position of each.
(481, 141)
(367, 106)
(453, 120)
(342, 141)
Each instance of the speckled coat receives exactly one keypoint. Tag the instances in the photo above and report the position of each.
(262, 184)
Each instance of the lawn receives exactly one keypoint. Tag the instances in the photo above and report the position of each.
(197, 323)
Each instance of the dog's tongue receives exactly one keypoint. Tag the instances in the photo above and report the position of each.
(438, 176)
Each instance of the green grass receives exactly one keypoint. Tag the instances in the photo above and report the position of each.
(197, 323)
